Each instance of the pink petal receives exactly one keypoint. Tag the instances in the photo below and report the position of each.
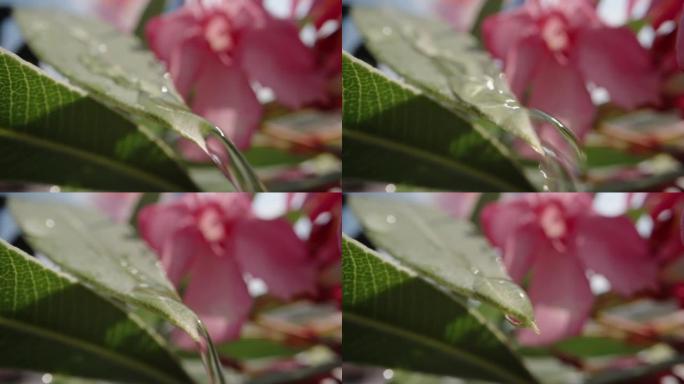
(293, 77)
(561, 298)
(457, 205)
(614, 59)
(559, 90)
(521, 249)
(166, 32)
(680, 42)
(123, 14)
(218, 294)
(158, 222)
(501, 219)
(271, 251)
(185, 64)
(502, 31)
(522, 62)
(179, 250)
(225, 97)
(118, 206)
(460, 14)
(612, 247)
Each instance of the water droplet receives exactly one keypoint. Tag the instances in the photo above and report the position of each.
(380, 223)
(143, 286)
(243, 179)
(164, 89)
(513, 320)
(80, 34)
(559, 169)
(133, 271)
(46, 378)
(124, 263)
(387, 31)
(390, 188)
(209, 355)
(50, 223)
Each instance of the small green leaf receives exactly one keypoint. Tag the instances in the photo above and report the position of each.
(116, 70)
(488, 8)
(394, 133)
(607, 156)
(448, 66)
(153, 9)
(251, 348)
(53, 133)
(588, 347)
(444, 249)
(394, 318)
(50, 323)
(103, 254)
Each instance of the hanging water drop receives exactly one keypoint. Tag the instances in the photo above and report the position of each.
(559, 169)
(514, 321)
(209, 355)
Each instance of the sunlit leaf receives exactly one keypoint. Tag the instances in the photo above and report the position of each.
(443, 249)
(103, 254)
(51, 323)
(394, 318)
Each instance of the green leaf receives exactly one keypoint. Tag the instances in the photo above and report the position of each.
(406, 377)
(251, 348)
(394, 318)
(443, 249)
(607, 156)
(394, 133)
(50, 323)
(116, 70)
(55, 134)
(154, 8)
(488, 8)
(103, 254)
(269, 156)
(588, 347)
(448, 66)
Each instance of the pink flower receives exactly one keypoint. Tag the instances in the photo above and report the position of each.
(324, 212)
(117, 205)
(457, 205)
(216, 50)
(552, 49)
(328, 47)
(213, 240)
(123, 14)
(665, 239)
(557, 238)
(460, 14)
(668, 50)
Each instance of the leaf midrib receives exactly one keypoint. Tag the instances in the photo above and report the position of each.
(432, 157)
(432, 343)
(88, 347)
(90, 156)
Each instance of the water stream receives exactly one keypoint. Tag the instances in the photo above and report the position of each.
(210, 357)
